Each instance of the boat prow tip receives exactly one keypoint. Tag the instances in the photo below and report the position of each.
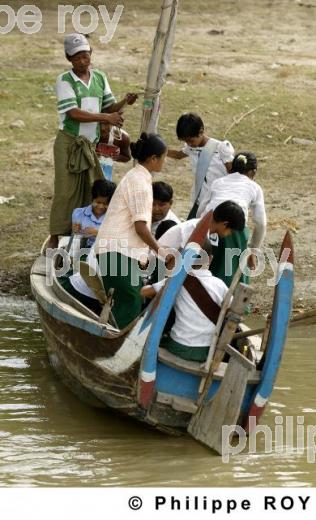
(288, 244)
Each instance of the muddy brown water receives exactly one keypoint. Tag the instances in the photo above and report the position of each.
(49, 438)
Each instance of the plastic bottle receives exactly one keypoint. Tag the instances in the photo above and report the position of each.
(107, 167)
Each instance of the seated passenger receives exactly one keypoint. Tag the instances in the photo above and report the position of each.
(86, 221)
(75, 285)
(224, 220)
(164, 226)
(162, 194)
(191, 335)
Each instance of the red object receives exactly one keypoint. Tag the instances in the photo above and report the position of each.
(107, 150)
(146, 393)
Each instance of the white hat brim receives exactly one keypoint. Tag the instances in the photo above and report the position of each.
(80, 48)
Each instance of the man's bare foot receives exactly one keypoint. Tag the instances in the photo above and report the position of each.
(53, 242)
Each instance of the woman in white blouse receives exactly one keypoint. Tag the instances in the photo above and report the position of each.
(240, 187)
(124, 238)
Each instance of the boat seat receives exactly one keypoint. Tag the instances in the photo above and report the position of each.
(193, 367)
(180, 404)
(196, 368)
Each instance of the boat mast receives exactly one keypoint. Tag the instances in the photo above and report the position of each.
(158, 65)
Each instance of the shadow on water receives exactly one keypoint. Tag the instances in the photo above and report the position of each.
(49, 438)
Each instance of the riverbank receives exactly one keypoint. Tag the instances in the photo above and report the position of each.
(250, 61)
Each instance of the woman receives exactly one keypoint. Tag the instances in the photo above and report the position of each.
(240, 187)
(124, 238)
(83, 95)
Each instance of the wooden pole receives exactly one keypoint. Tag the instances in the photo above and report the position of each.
(306, 318)
(158, 65)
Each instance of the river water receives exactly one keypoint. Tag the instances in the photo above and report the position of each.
(49, 438)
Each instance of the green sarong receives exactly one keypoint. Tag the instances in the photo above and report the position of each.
(223, 264)
(91, 303)
(122, 274)
(183, 351)
(76, 168)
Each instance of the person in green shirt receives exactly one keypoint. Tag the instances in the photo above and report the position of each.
(84, 100)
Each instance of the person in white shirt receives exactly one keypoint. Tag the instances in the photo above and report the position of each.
(191, 335)
(162, 203)
(210, 158)
(240, 187)
(220, 165)
(224, 220)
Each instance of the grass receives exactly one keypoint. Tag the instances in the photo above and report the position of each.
(208, 74)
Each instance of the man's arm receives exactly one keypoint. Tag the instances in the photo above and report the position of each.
(176, 154)
(129, 99)
(260, 220)
(87, 117)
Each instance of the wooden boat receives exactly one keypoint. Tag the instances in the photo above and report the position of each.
(128, 371)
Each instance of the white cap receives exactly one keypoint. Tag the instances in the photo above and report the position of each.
(226, 151)
(76, 42)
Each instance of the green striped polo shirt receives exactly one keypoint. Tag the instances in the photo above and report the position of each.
(72, 92)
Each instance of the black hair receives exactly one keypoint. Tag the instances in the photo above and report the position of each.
(147, 146)
(207, 247)
(163, 228)
(103, 188)
(231, 213)
(244, 162)
(189, 125)
(162, 191)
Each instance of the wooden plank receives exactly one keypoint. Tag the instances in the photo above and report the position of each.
(237, 308)
(173, 361)
(224, 408)
(176, 402)
(65, 297)
(225, 305)
(196, 368)
(39, 266)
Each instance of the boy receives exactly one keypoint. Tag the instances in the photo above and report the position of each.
(162, 203)
(87, 220)
(225, 219)
(191, 334)
(210, 158)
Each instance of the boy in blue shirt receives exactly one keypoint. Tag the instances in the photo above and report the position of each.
(87, 220)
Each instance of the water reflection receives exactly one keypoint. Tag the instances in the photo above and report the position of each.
(49, 438)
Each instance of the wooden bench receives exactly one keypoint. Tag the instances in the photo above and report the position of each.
(198, 369)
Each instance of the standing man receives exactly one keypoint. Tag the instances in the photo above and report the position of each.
(84, 101)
